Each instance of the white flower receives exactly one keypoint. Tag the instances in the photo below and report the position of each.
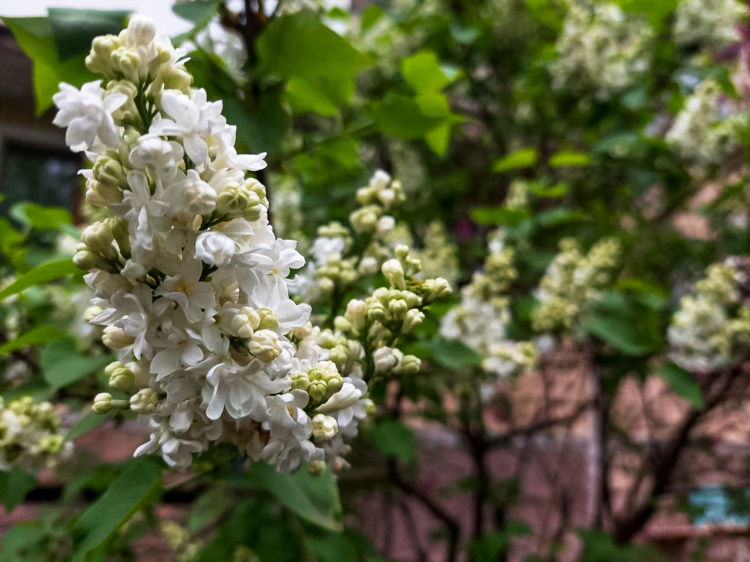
(87, 114)
(191, 119)
(324, 427)
(214, 248)
(158, 155)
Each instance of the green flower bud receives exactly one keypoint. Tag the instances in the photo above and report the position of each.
(98, 238)
(316, 468)
(102, 403)
(99, 60)
(317, 390)
(268, 320)
(119, 228)
(109, 171)
(144, 401)
(412, 319)
(410, 365)
(87, 260)
(100, 195)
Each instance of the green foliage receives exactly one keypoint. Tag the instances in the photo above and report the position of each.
(41, 274)
(598, 546)
(393, 439)
(313, 499)
(136, 486)
(14, 485)
(63, 364)
(682, 383)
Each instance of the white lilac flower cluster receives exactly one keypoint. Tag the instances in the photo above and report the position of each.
(480, 320)
(378, 321)
(711, 329)
(712, 23)
(572, 282)
(29, 437)
(705, 131)
(340, 256)
(602, 50)
(190, 280)
(439, 255)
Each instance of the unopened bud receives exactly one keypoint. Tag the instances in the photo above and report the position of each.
(394, 272)
(144, 401)
(116, 338)
(324, 427)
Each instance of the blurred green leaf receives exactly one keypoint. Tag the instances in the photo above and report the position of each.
(41, 218)
(304, 95)
(423, 73)
(86, 423)
(683, 384)
(74, 30)
(41, 274)
(300, 45)
(208, 508)
(261, 128)
(295, 491)
(370, 16)
(200, 12)
(401, 117)
(619, 332)
(392, 438)
(63, 364)
(569, 158)
(498, 215)
(14, 485)
(36, 37)
(524, 158)
(136, 486)
(35, 336)
(18, 539)
(452, 354)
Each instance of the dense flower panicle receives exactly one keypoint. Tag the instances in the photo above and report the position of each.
(480, 320)
(709, 22)
(602, 50)
(439, 256)
(191, 282)
(703, 132)
(333, 264)
(572, 282)
(29, 436)
(711, 329)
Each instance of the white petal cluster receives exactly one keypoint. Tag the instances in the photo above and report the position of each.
(572, 282)
(29, 437)
(333, 264)
(191, 280)
(711, 329)
(602, 50)
(709, 22)
(480, 320)
(705, 130)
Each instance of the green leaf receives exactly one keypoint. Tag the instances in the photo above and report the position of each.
(619, 332)
(294, 491)
(560, 215)
(557, 190)
(137, 486)
(20, 538)
(524, 158)
(63, 364)
(35, 336)
(332, 547)
(423, 73)
(200, 12)
(74, 30)
(260, 128)
(401, 117)
(14, 485)
(683, 384)
(498, 215)
(569, 158)
(656, 12)
(392, 438)
(41, 218)
(208, 508)
(304, 96)
(300, 45)
(437, 139)
(40, 275)
(489, 546)
(36, 37)
(451, 353)
(370, 16)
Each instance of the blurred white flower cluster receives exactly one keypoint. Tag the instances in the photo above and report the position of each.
(572, 282)
(190, 280)
(712, 326)
(704, 132)
(480, 320)
(709, 22)
(29, 437)
(337, 262)
(602, 49)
